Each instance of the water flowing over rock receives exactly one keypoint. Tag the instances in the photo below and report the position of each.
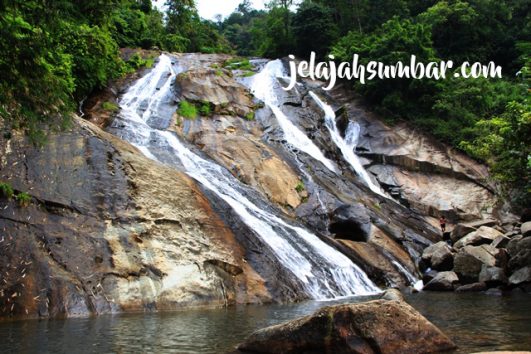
(373, 327)
(269, 196)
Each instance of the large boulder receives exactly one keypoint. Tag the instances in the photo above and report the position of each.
(526, 228)
(461, 230)
(522, 275)
(373, 327)
(443, 281)
(483, 235)
(492, 276)
(216, 87)
(470, 259)
(438, 256)
(521, 254)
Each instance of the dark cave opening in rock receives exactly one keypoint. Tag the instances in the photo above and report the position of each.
(348, 230)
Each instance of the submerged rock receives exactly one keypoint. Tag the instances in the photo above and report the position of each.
(373, 327)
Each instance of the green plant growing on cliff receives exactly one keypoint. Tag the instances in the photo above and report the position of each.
(110, 106)
(238, 64)
(23, 199)
(187, 110)
(205, 109)
(300, 187)
(6, 190)
(249, 116)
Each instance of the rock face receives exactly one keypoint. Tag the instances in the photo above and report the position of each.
(232, 143)
(374, 327)
(112, 231)
(427, 176)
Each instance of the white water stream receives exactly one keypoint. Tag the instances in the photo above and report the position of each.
(323, 271)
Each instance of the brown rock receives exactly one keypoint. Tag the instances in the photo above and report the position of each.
(439, 256)
(500, 242)
(492, 276)
(373, 327)
(471, 287)
(443, 281)
(520, 276)
(112, 231)
(483, 235)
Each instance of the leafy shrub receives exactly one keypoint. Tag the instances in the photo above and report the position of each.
(187, 110)
(300, 187)
(238, 64)
(249, 116)
(205, 109)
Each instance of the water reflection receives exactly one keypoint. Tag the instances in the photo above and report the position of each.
(475, 321)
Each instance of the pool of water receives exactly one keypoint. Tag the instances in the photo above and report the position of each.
(476, 322)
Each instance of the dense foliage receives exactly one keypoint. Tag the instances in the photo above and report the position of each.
(487, 118)
(55, 53)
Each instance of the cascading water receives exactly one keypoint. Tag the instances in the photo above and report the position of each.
(264, 85)
(323, 271)
(347, 149)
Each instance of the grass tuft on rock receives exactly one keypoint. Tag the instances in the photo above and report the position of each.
(6, 190)
(187, 110)
(110, 106)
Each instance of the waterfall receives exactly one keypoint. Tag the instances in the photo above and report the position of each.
(323, 271)
(347, 149)
(264, 86)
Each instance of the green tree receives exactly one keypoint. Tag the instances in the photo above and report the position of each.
(314, 29)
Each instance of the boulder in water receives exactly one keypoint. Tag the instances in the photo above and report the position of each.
(471, 287)
(492, 276)
(522, 254)
(373, 327)
(439, 256)
(443, 281)
(522, 275)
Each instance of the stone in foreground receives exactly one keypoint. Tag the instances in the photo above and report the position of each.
(378, 326)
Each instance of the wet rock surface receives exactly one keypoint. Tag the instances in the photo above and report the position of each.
(373, 327)
(102, 234)
(109, 230)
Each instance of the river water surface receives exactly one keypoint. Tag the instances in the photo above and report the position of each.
(476, 322)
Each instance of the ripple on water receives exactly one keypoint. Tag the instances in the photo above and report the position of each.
(476, 322)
